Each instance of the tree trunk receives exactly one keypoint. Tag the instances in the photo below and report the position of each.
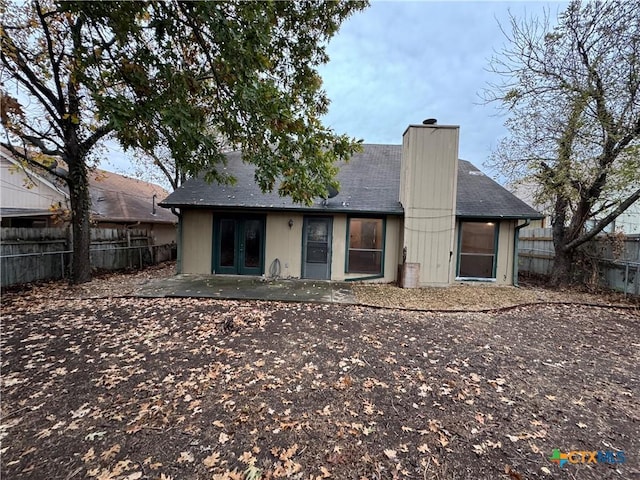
(80, 224)
(561, 272)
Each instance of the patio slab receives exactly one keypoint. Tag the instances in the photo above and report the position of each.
(247, 288)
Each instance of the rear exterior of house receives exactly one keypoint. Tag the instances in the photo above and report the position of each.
(401, 208)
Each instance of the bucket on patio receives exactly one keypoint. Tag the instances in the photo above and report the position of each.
(410, 275)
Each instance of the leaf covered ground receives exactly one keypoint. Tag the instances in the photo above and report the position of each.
(129, 388)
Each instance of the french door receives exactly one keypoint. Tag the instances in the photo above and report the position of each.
(238, 245)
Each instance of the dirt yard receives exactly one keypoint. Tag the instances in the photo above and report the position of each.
(128, 388)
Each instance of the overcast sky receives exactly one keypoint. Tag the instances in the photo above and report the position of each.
(398, 63)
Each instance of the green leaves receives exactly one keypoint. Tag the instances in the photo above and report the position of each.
(243, 72)
(190, 78)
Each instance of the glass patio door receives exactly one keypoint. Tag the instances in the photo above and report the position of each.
(238, 245)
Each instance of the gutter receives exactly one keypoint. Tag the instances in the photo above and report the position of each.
(179, 253)
(516, 240)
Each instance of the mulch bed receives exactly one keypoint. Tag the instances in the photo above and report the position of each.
(128, 388)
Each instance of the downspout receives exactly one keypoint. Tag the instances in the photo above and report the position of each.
(515, 250)
(179, 252)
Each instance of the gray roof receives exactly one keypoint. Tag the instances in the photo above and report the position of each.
(369, 183)
(480, 196)
(117, 198)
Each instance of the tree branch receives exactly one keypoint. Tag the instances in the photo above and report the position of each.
(33, 83)
(173, 180)
(55, 66)
(21, 154)
(29, 86)
(98, 134)
(604, 222)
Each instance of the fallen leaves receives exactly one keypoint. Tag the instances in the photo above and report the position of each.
(186, 457)
(212, 460)
(304, 391)
(110, 453)
(390, 454)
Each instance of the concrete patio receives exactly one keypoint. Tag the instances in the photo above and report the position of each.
(247, 288)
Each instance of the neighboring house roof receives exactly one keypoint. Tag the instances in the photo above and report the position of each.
(117, 198)
(23, 212)
(114, 198)
(369, 183)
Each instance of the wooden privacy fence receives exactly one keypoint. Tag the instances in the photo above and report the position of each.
(33, 254)
(618, 261)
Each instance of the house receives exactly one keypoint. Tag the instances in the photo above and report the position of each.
(26, 197)
(413, 206)
(627, 222)
(30, 198)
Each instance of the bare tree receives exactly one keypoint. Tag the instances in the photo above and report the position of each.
(571, 93)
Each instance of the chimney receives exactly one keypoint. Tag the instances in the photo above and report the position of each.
(428, 185)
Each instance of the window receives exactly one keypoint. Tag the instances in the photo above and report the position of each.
(365, 245)
(477, 250)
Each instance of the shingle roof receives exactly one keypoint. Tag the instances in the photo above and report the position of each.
(369, 183)
(480, 196)
(117, 198)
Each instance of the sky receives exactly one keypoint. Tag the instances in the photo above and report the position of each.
(398, 63)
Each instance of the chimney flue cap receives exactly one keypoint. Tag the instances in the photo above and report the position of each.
(430, 121)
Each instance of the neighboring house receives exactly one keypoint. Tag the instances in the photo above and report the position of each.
(30, 198)
(526, 192)
(118, 201)
(413, 204)
(26, 198)
(628, 222)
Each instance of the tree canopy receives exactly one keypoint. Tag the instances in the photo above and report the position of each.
(572, 95)
(182, 76)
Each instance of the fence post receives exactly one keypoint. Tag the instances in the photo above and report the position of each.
(69, 247)
(626, 278)
(129, 247)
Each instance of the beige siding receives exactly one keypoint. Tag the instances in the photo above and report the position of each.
(284, 243)
(392, 246)
(197, 236)
(428, 195)
(504, 267)
(22, 191)
(339, 248)
(163, 233)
